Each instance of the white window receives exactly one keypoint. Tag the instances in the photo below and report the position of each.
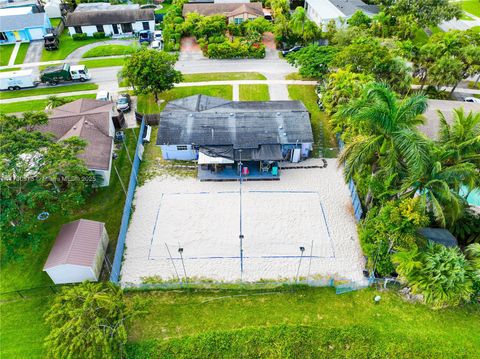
(182, 148)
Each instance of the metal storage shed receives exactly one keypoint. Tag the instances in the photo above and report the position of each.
(78, 252)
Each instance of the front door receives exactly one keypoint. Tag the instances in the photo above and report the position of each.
(115, 29)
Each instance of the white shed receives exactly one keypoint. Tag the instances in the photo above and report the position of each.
(78, 252)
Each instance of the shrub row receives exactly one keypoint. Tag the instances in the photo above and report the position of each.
(83, 36)
(235, 49)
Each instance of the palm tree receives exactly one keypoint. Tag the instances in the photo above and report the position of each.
(387, 139)
(55, 101)
(298, 20)
(461, 139)
(440, 185)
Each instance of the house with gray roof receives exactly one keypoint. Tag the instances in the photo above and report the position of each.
(323, 11)
(113, 20)
(23, 23)
(220, 134)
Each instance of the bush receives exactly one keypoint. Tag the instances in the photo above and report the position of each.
(234, 50)
(99, 35)
(217, 39)
(79, 37)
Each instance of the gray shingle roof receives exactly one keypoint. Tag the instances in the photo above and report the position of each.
(210, 121)
(349, 7)
(105, 17)
(20, 22)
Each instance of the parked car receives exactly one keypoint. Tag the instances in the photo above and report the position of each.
(104, 96)
(157, 35)
(293, 49)
(145, 36)
(472, 99)
(157, 45)
(50, 42)
(124, 102)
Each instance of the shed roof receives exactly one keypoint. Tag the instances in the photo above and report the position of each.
(227, 9)
(211, 121)
(109, 16)
(76, 243)
(90, 120)
(20, 22)
(439, 235)
(432, 120)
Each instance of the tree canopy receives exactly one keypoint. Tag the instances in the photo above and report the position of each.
(39, 174)
(313, 60)
(151, 71)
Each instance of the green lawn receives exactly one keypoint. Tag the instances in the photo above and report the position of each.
(164, 9)
(471, 6)
(254, 93)
(146, 103)
(110, 50)
(393, 326)
(55, 21)
(103, 62)
(319, 120)
(223, 76)
(48, 90)
(475, 29)
(22, 51)
(67, 46)
(34, 105)
(11, 69)
(297, 76)
(5, 53)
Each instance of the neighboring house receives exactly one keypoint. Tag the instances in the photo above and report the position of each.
(91, 120)
(322, 11)
(220, 133)
(23, 24)
(53, 9)
(236, 13)
(113, 20)
(432, 120)
(78, 252)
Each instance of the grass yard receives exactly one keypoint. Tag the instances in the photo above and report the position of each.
(254, 93)
(91, 64)
(110, 50)
(11, 69)
(164, 9)
(67, 46)
(223, 76)
(55, 21)
(146, 103)
(34, 105)
(421, 37)
(297, 76)
(5, 53)
(22, 324)
(322, 134)
(471, 6)
(183, 325)
(22, 52)
(48, 90)
(475, 29)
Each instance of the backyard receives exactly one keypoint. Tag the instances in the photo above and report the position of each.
(471, 6)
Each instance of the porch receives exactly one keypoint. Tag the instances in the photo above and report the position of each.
(251, 171)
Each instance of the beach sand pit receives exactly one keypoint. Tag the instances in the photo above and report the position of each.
(307, 208)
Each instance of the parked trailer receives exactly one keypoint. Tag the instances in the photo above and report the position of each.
(16, 80)
(55, 74)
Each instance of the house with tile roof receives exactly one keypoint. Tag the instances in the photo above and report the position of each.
(91, 120)
(234, 12)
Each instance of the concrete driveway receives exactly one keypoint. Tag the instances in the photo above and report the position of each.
(34, 52)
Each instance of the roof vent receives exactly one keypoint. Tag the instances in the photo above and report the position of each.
(280, 127)
(74, 127)
(232, 114)
(278, 113)
(190, 115)
(284, 133)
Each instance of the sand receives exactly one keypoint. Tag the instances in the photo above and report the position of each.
(307, 208)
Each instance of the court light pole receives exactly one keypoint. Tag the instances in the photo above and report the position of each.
(240, 236)
(302, 249)
(180, 251)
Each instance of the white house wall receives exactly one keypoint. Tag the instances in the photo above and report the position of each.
(108, 29)
(70, 273)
